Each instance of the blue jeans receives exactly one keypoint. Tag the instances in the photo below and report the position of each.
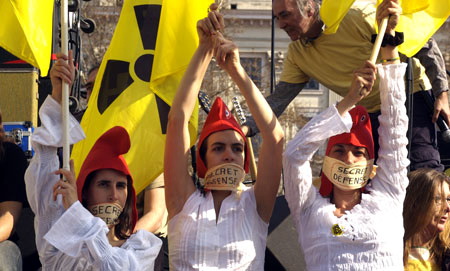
(10, 257)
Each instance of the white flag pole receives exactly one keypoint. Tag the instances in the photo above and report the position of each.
(380, 36)
(65, 87)
(377, 46)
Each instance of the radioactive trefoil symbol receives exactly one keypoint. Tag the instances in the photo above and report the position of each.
(116, 78)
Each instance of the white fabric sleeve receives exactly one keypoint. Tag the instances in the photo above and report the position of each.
(299, 190)
(39, 177)
(79, 234)
(50, 131)
(391, 178)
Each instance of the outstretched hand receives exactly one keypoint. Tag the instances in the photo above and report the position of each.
(67, 188)
(61, 71)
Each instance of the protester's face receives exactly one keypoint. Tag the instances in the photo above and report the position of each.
(290, 20)
(349, 153)
(108, 186)
(225, 147)
(442, 208)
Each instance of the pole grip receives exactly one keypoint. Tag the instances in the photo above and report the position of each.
(376, 47)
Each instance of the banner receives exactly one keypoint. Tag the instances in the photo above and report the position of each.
(26, 31)
(152, 45)
(419, 21)
(332, 12)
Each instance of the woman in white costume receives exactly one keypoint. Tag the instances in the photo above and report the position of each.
(92, 227)
(223, 226)
(346, 225)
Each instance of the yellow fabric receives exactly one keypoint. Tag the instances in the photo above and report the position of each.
(332, 12)
(419, 21)
(412, 6)
(331, 59)
(136, 107)
(416, 265)
(26, 31)
(447, 172)
(418, 260)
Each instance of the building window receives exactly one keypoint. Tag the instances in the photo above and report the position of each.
(253, 67)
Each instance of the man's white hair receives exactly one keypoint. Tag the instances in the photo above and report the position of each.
(305, 5)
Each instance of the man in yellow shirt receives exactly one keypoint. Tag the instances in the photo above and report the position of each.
(331, 59)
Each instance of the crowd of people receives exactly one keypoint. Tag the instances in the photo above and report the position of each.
(364, 211)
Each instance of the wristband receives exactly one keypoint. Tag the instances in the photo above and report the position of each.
(390, 60)
(390, 40)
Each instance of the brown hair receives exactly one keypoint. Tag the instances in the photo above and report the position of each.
(123, 229)
(203, 149)
(419, 210)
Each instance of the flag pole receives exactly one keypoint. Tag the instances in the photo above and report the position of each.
(377, 46)
(65, 87)
(379, 39)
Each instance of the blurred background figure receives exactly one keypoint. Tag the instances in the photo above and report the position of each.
(425, 215)
(12, 198)
(152, 213)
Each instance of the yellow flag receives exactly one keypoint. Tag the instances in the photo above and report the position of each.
(419, 21)
(411, 6)
(26, 30)
(152, 45)
(332, 12)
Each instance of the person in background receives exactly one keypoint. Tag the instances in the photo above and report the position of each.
(12, 198)
(89, 86)
(425, 218)
(152, 213)
(330, 59)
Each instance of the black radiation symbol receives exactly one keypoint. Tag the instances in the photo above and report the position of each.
(116, 78)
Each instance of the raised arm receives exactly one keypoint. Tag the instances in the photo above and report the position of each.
(46, 139)
(299, 189)
(39, 177)
(392, 160)
(178, 183)
(269, 162)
